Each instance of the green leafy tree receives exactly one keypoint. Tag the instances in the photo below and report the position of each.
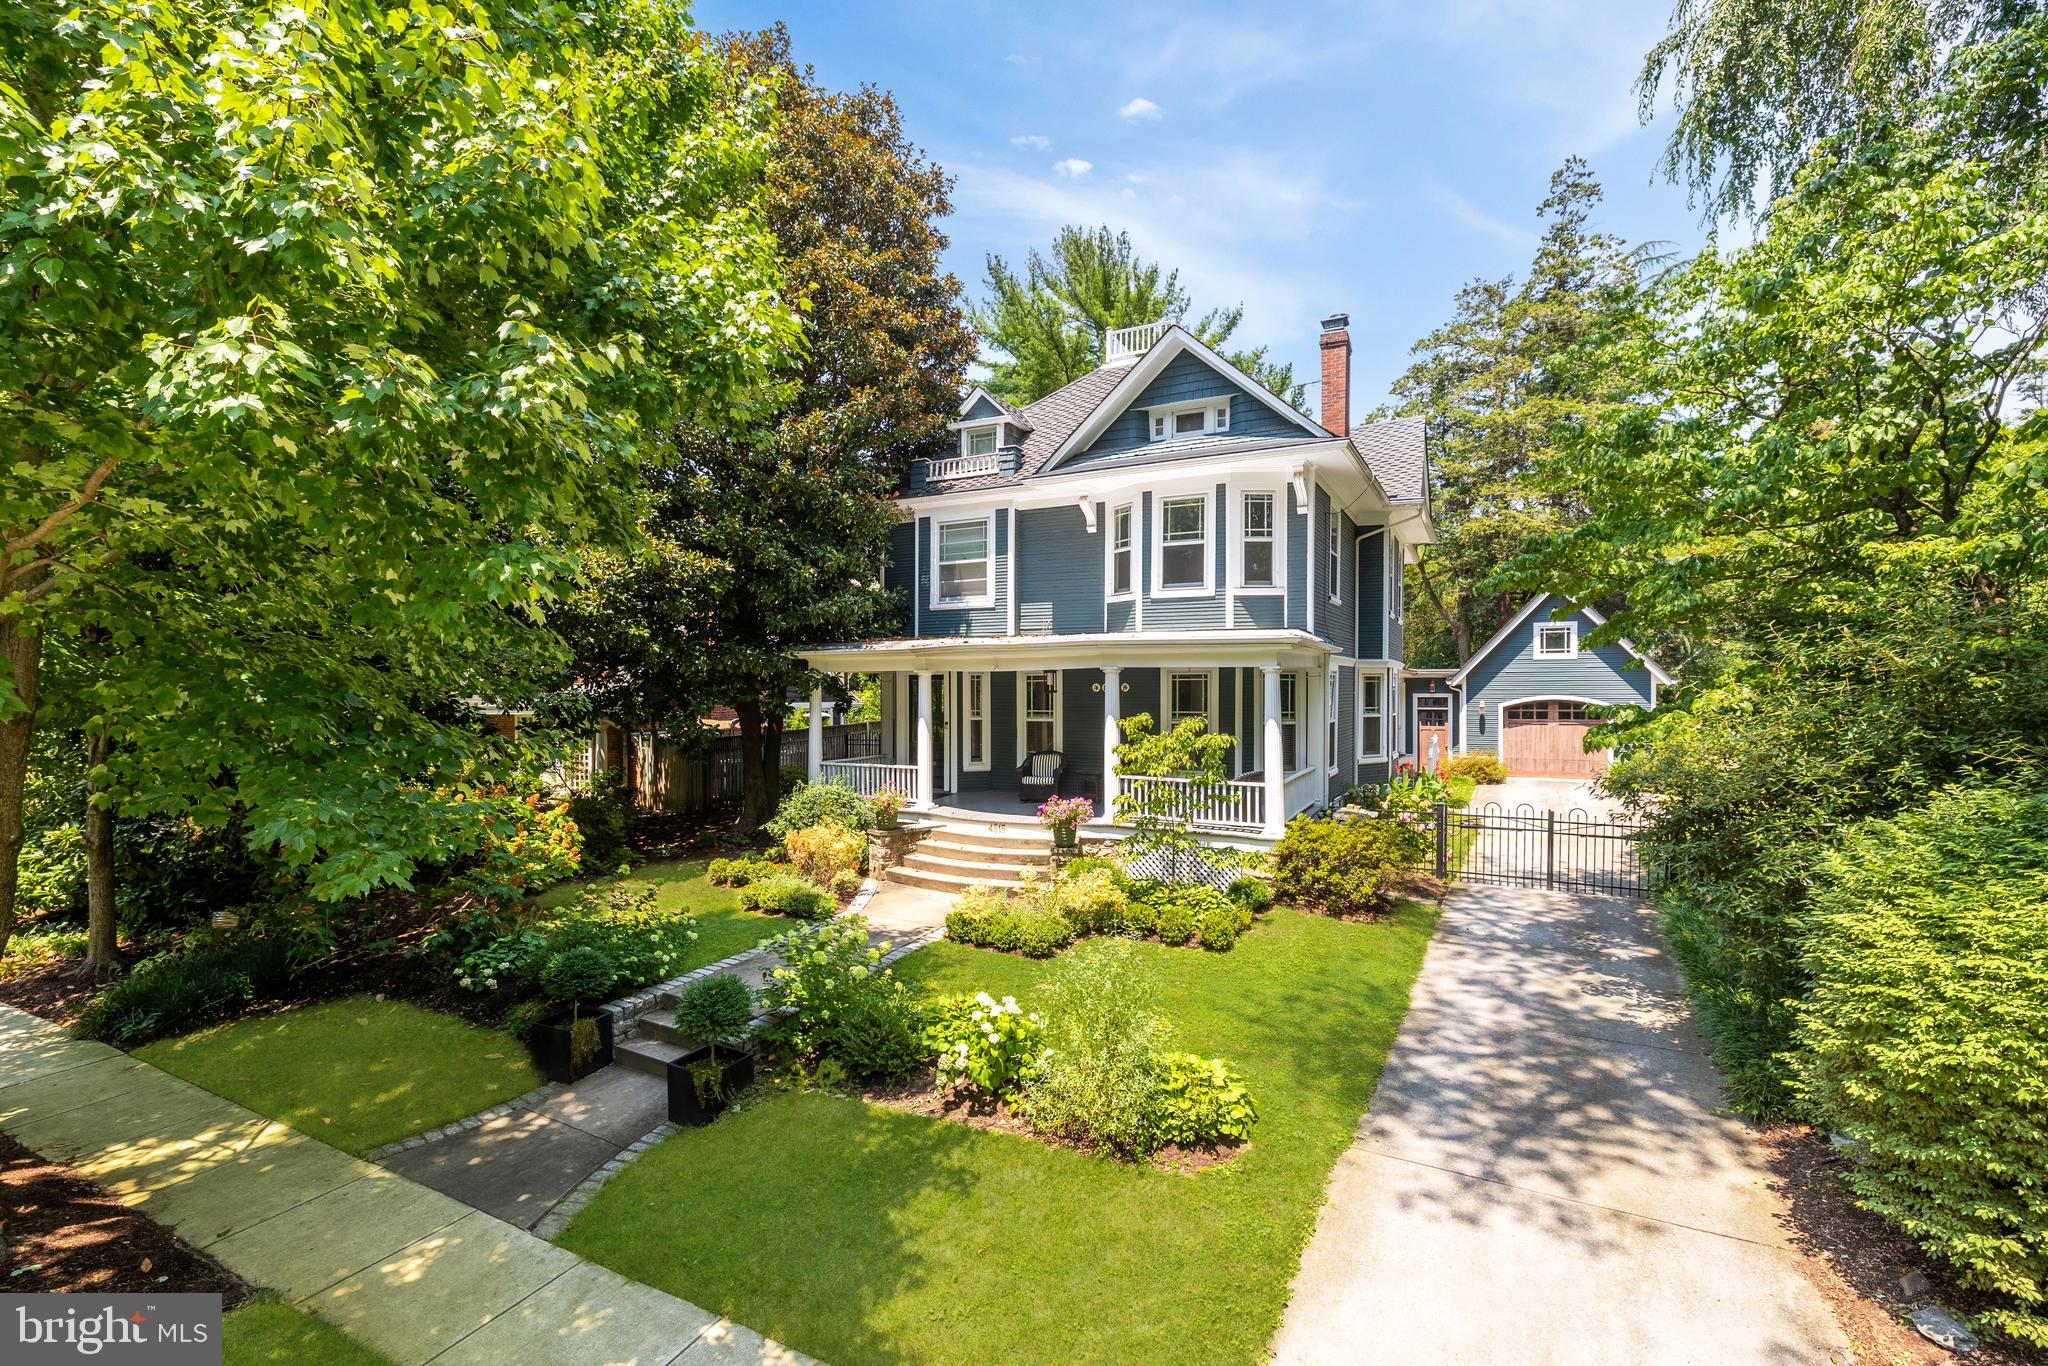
(762, 539)
(1160, 815)
(1491, 384)
(1051, 323)
(325, 330)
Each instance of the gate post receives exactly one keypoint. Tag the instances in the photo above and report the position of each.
(1443, 841)
(1550, 850)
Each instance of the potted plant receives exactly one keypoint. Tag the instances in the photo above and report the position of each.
(701, 1083)
(1064, 815)
(887, 806)
(577, 1046)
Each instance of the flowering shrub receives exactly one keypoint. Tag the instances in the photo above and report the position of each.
(824, 849)
(1065, 814)
(646, 944)
(993, 1046)
(528, 844)
(822, 964)
(1412, 792)
(811, 804)
(1196, 1101)
(501, 960)
(887, 806)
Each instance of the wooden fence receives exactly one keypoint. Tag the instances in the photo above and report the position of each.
(669, 777)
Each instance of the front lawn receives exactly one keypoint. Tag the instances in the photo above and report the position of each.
(267, 1330)
(357, 1073)
(723, 929)
(862, 1234)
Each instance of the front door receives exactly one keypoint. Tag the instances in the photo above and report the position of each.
(942, 753)
(1432, 729)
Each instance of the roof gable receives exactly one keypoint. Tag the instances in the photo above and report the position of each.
(1514, 624)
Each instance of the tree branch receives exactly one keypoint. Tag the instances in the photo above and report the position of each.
(58, 517)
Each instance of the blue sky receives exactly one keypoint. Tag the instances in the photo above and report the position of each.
(1300, 160)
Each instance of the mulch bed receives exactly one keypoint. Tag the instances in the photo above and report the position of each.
(918, 1095)
(1855, 1259)
(60, 1232)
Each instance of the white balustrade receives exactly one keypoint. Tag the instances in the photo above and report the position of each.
(871, 779)
(1237, 805)
(1132, 341)
(961, 467)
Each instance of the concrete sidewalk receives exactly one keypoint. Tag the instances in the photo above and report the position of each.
(404, 1269)
(1545, 1176)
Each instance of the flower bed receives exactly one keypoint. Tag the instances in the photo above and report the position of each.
(1094, 896)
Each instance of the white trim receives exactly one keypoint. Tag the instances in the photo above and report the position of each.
(1003, 413)
(1059, 711)
(1109, 593)
(1655, 670)
(1174, 341)
(992, 428)
(1012, 560)
(1334, 552)
(1396, 580)
(1160, 498)
(1166, 677)
(1162, 421)
(987, 599)
(1571, 644)
(1451, 737)
(1277, 493)
(1380, 755)
(1333, 728)
(967, 677)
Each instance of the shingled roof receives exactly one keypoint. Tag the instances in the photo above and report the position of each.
(1396, 449)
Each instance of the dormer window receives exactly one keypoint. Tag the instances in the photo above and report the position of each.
(1203, 417)
(979, 440)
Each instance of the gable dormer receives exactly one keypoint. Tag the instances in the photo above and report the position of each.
(990, 433)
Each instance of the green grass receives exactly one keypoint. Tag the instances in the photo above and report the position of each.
(1461, 790)
(723, 929)
(267, 1330)
(859, 1234)
(357, 1072)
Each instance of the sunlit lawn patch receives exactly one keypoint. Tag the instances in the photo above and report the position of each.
(723, 929)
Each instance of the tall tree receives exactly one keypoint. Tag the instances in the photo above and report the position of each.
(323, 327)
(1050, 324)
(1491, 384)
(761, 540)
(1758, 82)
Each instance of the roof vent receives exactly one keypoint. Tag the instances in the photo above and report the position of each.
(1128, 343)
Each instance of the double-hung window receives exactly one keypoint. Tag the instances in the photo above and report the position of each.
(974, 722)
(1188, 696)
(1372, 706)
(981, 442)
(1041, 719)
(1290, 729)
(1557, 640)
(1256, 568)
(963, 561)
(1184, 543)
(1120, 552)
(1336, 535)
(1330, 721)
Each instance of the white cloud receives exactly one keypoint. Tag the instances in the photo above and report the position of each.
(1036, 141)
(1073, 168)
(1139, 108)
(1476, 218)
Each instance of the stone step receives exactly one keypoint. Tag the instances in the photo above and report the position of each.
(938, 882)
(660, 1025)
(963, 863)
(961, 851)
(643, 1054)
(1026, 839)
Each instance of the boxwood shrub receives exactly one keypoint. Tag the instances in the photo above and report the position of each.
(1924, 1034)
(1344, 867)
(788, 894)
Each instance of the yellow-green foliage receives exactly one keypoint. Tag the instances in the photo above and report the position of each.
(1092, 900)
(1344, 867)
(1485, 768)
(825, 849)
(1925, 1033)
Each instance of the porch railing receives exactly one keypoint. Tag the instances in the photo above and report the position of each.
(1238, 805)
(871, 779)
(961, 466)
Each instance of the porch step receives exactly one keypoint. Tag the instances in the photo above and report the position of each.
(1026, 840)
(970, 863)
(981, 855)
(943, 882)
(644, 1054)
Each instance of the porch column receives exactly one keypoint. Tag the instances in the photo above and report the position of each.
(922, 798)
(1112, 734)
(814, 754)
(1273, 760)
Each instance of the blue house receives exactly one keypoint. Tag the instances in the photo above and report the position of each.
(1524, 695)
(1162, 535)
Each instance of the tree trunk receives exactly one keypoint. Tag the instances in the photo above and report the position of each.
(760, 762)
(102, 953)
(23, 652)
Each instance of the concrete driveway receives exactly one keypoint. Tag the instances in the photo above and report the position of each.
(1562, 795)
(1545, 1175)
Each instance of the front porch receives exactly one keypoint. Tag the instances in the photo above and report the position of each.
(955, 736)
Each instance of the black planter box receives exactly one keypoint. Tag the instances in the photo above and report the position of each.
(685, 1105)
(552, 1052)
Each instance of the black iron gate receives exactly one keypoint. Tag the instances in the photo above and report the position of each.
(1569, 851)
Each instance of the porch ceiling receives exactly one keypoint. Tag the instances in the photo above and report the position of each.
(1152, 649)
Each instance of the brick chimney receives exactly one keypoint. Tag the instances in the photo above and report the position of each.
(1337, 373)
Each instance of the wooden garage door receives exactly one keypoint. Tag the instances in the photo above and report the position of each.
(1548, 739)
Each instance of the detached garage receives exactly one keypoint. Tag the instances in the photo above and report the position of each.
(1528, 693)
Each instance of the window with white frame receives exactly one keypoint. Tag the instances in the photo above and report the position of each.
(1290, 714)
(1336, 584)
(1206, 418)
(974, 722)
(1041, 715)
(1372, 714)
(1557, 639)
(978, 441)
(1184, 543)
(1255, 568)
(1330, 714)
(1120, 552)
(964, 562)
(1394, 578)
(1187, 695)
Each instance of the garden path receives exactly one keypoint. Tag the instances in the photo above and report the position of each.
(404, 1269)
(1547, 1174)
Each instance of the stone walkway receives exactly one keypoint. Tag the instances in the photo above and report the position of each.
(1546, 1174)
(523, 1166)
(404, 1269)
